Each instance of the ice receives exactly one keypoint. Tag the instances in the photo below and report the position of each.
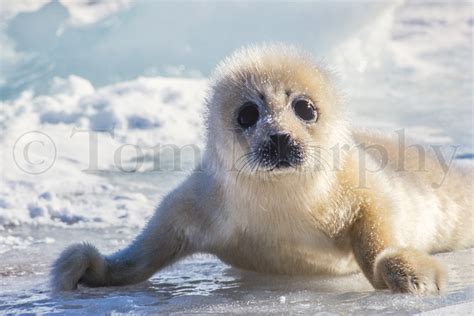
(202, 284)
(82, 12)
(129, 39)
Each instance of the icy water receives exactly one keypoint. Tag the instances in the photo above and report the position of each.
(407, 65)
(202, 284)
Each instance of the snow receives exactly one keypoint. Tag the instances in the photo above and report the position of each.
(141, 115)
(100, 128)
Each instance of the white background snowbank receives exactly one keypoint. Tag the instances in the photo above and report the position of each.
(86, 132)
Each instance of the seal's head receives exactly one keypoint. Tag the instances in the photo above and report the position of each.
(273, 111)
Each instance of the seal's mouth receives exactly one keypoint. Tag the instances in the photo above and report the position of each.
(281, 165)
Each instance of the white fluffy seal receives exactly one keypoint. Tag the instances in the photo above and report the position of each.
(284, 188)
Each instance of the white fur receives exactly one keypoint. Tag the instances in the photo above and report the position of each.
(294, 221)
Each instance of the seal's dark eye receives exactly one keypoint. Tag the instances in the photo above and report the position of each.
(305, 110)
(248, 115)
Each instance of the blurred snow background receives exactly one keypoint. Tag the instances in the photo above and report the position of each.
(112, 41)
(138, 70)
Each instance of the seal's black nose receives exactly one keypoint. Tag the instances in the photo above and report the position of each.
(280, 145)
(279, 151)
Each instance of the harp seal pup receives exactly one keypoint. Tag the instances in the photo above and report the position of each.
(270, 195)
